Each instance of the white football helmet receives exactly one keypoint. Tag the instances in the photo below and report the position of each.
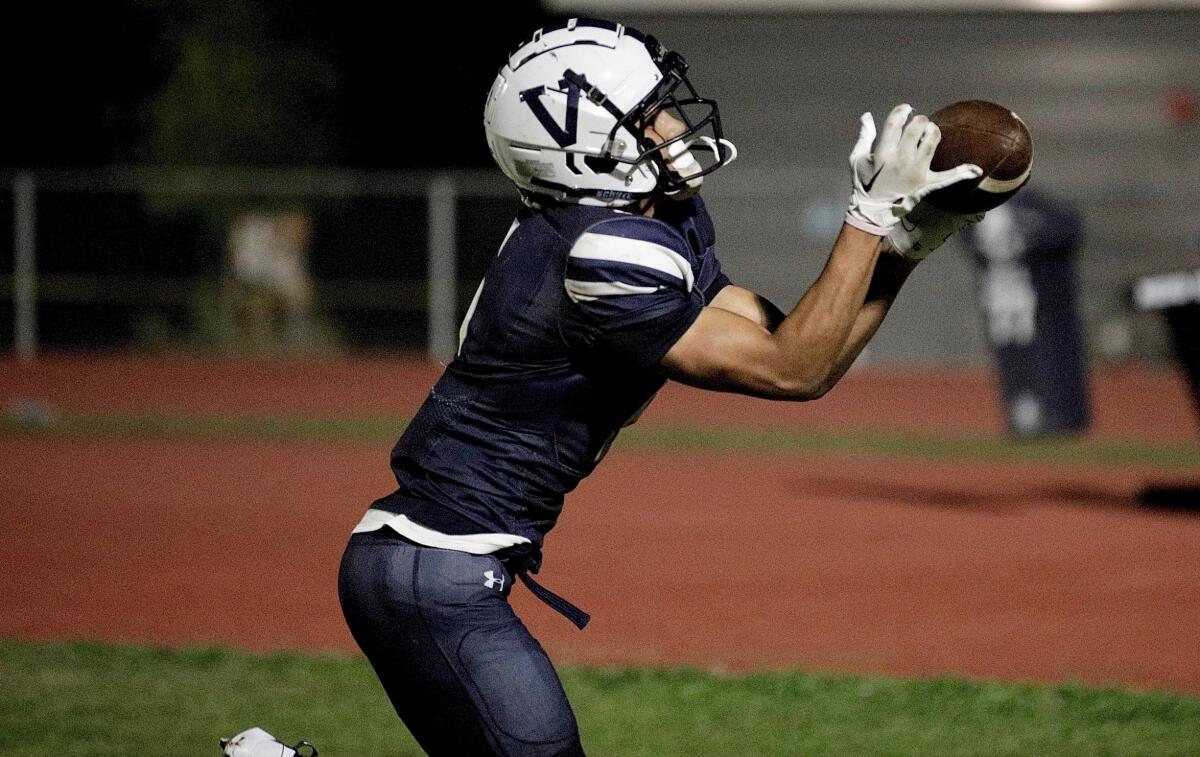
(565, 118)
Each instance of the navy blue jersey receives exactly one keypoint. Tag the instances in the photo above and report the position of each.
(558, 352)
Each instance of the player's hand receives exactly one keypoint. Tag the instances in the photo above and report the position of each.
(891, 178)
(924, 230)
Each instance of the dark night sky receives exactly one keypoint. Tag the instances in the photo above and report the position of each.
(83, 79)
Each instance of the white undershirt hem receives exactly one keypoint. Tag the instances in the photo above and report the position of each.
(475, 544)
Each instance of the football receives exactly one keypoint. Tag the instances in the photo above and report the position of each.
(993, 138)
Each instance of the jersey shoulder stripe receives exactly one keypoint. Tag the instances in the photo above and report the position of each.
(605, 249)
(587, 291)
(602, 264)
(628, 226)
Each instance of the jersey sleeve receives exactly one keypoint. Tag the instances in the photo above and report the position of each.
(711, 279)
(698, 223)
(632, 289)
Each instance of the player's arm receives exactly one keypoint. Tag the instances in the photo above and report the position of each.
(919, 233)
(816, 343)
(891, 271)
(727, 351)
(750, 305)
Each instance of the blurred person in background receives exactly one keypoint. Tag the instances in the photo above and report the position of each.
(606, 285)
(1024, 255)
(272, 293)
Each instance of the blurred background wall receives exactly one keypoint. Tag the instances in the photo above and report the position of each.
(1096, 90)
(377, 104)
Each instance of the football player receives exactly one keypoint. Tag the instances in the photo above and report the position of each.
(606, 285)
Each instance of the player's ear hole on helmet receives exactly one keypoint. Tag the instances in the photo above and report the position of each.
(600, 165)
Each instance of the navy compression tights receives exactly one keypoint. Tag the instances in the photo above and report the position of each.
(461, 669)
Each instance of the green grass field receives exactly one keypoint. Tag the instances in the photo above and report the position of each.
(666, 438)
(80, 699)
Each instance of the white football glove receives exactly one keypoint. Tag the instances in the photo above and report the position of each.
(924, 230)
(892, 179)
(255, 742)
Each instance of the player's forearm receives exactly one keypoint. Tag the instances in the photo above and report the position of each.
(814, 337)
(891, 271)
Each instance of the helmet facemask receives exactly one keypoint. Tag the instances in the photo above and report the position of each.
(682, 161)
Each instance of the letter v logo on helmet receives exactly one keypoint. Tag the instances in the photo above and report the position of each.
(564, 135)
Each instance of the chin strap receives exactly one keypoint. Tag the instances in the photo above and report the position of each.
(683, 163)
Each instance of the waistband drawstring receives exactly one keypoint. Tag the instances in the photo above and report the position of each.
(556, 603)
(523, 559)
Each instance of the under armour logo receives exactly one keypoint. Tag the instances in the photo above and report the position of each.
(493, 581)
